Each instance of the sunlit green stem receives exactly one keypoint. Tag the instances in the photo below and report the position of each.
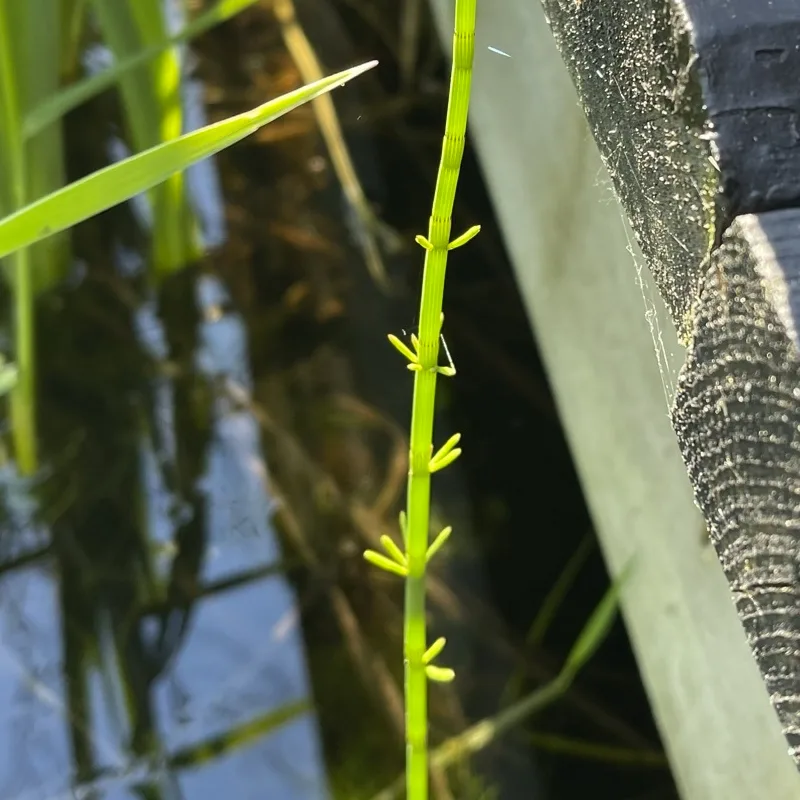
(13, 162)
(425, 375)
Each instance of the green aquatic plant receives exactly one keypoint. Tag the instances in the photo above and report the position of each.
(423, 358)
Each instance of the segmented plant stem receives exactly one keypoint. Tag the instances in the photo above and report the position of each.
(419, 477)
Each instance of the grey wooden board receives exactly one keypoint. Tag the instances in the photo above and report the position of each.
(578, 274)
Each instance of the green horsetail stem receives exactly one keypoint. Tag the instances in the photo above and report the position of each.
(423, 360)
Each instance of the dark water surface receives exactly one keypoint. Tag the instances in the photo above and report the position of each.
(184, 610)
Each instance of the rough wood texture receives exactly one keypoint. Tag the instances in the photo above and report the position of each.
(737, 417)
(570, 250)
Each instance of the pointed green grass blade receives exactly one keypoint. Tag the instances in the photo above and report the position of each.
(597, 626)
(65, 100)
(119, 182)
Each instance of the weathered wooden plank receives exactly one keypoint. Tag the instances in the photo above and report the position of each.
(736, 416)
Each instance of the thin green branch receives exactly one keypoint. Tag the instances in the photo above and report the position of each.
(436, 245)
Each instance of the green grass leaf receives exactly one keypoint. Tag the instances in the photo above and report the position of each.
(597, 626)
(119, 182)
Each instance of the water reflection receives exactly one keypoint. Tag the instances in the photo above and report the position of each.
(157, 656)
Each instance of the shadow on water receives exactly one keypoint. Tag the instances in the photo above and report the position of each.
(184, 610)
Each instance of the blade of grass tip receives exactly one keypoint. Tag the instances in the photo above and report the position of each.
(555, 597)
(72, 96)
(121, 181)
(597, 626)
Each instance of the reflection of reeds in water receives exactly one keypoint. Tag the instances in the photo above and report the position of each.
(99, 419)
(125, 608)
(102, 541)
